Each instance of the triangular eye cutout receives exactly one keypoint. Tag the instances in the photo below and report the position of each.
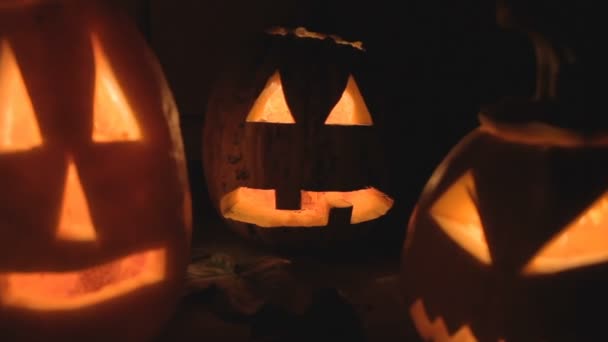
(75, 222)
(583, 242)
(351, 109)
(113, 118)
(271, 105)
(19, 129)
(456, 213)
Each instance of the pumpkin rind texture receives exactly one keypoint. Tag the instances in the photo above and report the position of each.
(292, 155)
(95, 217)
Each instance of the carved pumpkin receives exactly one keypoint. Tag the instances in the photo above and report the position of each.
(290, 153)
(94, 200)
(509, 240)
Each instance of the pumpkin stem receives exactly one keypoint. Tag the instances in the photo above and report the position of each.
(550, 60)
(556, 37)
(553, 56)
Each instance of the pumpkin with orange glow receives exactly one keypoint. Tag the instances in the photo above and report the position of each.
(509, 240)
(290, 151)
(94, 200)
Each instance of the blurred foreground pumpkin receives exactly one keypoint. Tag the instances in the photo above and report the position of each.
(509, 240)
(94, 201)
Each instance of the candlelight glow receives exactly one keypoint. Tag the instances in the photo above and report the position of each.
(583, 242)
(271, 106)
(113, 118)
(19, 129)
(70, 290)
(75, 220)
(257, 206)
(350, 109)
(456, 213)
(436, 330)
(45, 291)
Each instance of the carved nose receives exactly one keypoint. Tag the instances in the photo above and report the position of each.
(75, 222)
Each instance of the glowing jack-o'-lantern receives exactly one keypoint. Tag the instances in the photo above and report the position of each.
(509, 240)
(94, 200)
(290, 153)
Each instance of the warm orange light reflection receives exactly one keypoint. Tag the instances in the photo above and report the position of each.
(113, 118)
(72, 290)
(271, 105)
(583, 242)
(351, 108)
(75, 220)
(436, 330)
(258, 207)
(19, 130)
(456, 213)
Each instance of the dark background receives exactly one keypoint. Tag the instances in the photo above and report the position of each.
(438, 60)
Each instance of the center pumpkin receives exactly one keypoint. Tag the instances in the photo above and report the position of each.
(294, 156)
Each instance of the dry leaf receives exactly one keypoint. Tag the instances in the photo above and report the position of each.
(242, 287)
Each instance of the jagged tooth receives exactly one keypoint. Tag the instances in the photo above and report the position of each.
(436, 330)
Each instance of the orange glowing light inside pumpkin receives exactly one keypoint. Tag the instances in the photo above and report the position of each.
(456, 214)
(19, 129)
(46, 291)
(350, 109)
(113, 121)
(75, 221)
(257, 206)
(436, 330)
(583, 242)
(272, 107)
(113, 118)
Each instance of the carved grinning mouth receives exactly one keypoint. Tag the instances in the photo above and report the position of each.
(46, 291)
(258, 207)
(435, 330)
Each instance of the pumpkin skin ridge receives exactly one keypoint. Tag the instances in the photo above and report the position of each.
(119, 281)
(74, 255)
